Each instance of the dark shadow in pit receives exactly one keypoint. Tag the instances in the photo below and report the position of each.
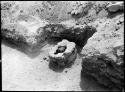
(23, 48)
(54, 41)
(80, 40)
(79, 49)
(88, 83)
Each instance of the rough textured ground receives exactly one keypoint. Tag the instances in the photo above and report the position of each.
(103, 55)
(22, 70)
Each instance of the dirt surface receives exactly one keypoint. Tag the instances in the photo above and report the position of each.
(32, 71)
(21, 72)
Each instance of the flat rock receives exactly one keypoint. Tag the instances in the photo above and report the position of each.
(25, 31)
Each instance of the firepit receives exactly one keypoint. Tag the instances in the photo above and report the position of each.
(63, 53)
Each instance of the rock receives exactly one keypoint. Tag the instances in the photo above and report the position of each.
(74, 33)
(26, 31)
(115, 7)
(103, 55)
(65, 57)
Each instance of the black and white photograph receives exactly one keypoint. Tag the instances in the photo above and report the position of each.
(62, 45)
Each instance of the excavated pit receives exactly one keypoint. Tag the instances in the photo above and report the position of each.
(51, 33)
(91, 25)
(79, 35)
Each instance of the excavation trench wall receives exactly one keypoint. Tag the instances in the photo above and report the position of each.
(50, 32)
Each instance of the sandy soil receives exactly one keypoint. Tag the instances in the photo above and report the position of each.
(21, 72)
